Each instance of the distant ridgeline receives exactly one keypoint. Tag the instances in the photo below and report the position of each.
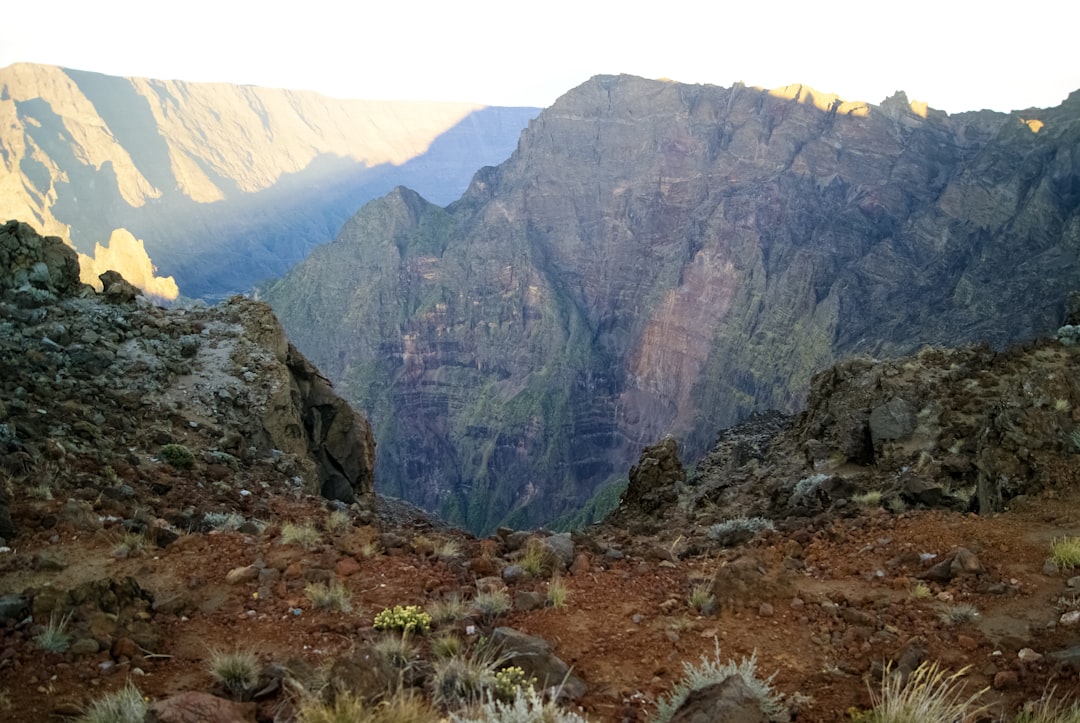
(225, 185)
(662, 258)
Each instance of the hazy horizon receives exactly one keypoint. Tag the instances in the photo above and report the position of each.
(954, 56)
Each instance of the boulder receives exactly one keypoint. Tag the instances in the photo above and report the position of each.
(116, 289)
(654, 478)
(534, 656)
(194, 707)
(729, 701)
(891, 421)
(43, 262)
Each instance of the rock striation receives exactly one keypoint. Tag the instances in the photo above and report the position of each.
(91, 380)
(659, 258)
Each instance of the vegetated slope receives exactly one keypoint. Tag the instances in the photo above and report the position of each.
(227, 185)
(663, 258)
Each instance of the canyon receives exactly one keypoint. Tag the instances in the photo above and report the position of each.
(664, 259)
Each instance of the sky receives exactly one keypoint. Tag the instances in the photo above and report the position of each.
(953, 54)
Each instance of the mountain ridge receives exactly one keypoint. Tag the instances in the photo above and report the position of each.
(661, 258)
(226, 185)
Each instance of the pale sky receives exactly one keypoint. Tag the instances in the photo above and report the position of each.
(954, 54)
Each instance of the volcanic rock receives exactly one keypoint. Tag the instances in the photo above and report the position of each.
(659, 258)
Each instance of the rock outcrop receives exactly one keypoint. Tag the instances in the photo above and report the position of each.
(658, 258)
(967, 429)
(33, 264)
(655, 479)
(89, 381)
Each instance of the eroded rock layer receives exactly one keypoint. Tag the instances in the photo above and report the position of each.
(658, 258)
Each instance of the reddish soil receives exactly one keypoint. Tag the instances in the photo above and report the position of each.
(626, 629)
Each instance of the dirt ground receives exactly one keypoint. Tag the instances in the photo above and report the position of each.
(843, 606)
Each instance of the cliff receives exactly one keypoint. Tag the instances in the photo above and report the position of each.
(227, 185)
(661, 258)
(94, 382)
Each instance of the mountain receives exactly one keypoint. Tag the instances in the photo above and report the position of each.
(659, 258)
(225, 185)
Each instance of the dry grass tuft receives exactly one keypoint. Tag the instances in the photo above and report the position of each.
(929, 694)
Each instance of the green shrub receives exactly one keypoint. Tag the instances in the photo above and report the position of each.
(370, 548)
(348, 708)
(870, 498)
(398, 650)
(751, 525)
(334, 596)
(178, 456)
(959, 614)
(448, 610)
(463, 680)
(236, 671)
(407, 619)
(701, 599)
(921, 591)
(305, 536)
(528, 706)
(712, 671)
(38, 492)
(510, 680)
(338, 521)
(491, 604)
(1065, 552)
(130, 544)
(536, 559)
(54, 638)
(1047, 710)
(447, 549)
(446, 646)
(126, 705)
(557, 592)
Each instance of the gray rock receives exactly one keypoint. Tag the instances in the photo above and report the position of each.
(513, 574)
(14, 607)
(730, 701)
(528, 600)
(84, 646)
(193, 707)
(965, 562)
(654, 478)
(561, 547)
(534, 656)
(894, 420)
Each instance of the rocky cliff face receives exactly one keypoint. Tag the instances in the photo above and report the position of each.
(662, 258)
(968, 429)
(226, 185)
(93, 382)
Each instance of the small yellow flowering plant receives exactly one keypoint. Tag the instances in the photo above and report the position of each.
(407, 619)
(509, 680)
